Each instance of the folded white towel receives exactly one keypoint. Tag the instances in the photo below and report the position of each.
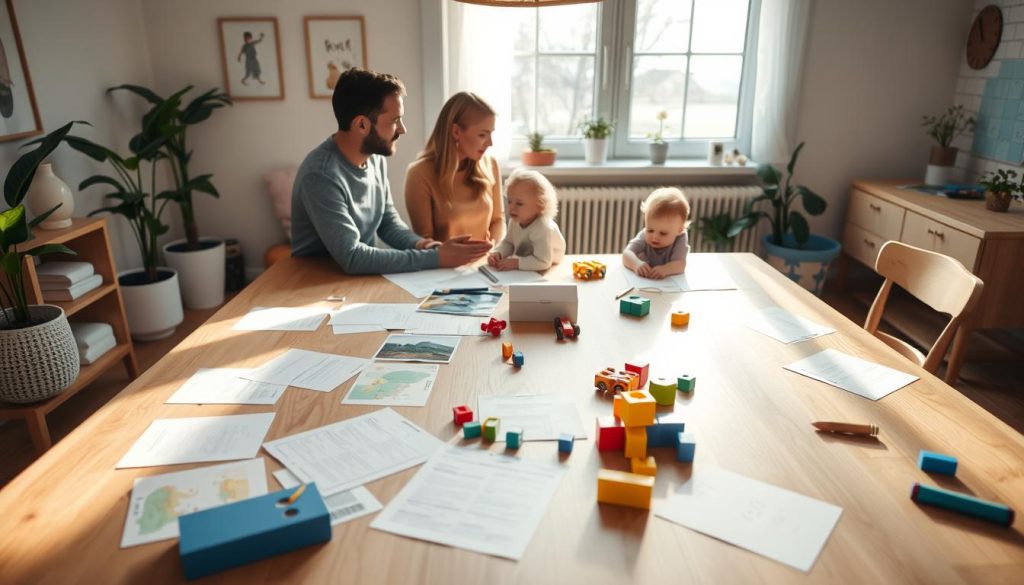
(96, 351)
(90, 334)
(75, 290)
(66, 273)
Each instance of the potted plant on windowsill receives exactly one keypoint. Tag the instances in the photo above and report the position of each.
(790, 247)
(658, 146)
(38, 354)
(200, 262)
(1001, 187)
(595, 139)
(945, 128)
(537, 155)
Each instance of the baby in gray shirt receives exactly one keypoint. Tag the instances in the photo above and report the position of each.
(659, 250)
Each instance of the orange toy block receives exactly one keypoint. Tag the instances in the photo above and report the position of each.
(636, 442)
(646, 466)
(638, 408)
(506, 351)
(617, 406)
(680, 318)
(624, 489)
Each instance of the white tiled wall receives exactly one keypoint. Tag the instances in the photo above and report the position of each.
(971, 83)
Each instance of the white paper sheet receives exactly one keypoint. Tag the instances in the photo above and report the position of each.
(312, 370)
(348, 329)
(438, 324)
(782, 525)
(666, 285)
(343, 506)
(852, 374)
(225, 386)
(170, 441)
(393, 384)
(541, 416)
(423, 282)
(352, 452)
(158, 500)
(476, 500)
(507, 277)
(363, 317)
(786, 327)
(282, 319)
(703, 272)
(387, 316)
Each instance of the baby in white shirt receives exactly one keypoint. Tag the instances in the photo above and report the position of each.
(533, 240)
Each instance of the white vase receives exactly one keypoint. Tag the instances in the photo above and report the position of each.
(659, 152)
(153, 309)
(47, 191)
(596, 150)
(201, 271)
(939, 175)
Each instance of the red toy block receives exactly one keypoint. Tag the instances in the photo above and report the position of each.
(641, 369)
(462, 415)
(494, 326)
(611, 435)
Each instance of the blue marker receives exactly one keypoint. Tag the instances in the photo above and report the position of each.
(935, 496)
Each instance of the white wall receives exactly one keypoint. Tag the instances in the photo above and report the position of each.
(75, 51)
(239, 144)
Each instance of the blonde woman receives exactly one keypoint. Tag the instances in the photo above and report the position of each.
(454, 188)
(534, 241)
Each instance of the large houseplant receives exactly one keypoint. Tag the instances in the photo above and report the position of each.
(199, 261)
(945, 128)
(38, 354)
(790, 246)
(595, 139)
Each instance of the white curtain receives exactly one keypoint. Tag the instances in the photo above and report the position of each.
(782, 36)
(479, 59)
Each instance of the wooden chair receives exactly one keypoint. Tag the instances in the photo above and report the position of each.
(937, 280)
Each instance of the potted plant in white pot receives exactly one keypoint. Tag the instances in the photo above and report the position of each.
(595, 139)
(945, 128)
(658, 146)
(38, 354)
(537, 155)
(790, 247)
(200, 262)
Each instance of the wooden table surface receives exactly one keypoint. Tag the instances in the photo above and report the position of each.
(63, 517)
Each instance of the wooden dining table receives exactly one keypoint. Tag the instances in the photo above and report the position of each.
(62, 518)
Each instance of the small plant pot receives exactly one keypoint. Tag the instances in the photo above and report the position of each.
(596, 150)
(153, 308)
(807, 266)
(37, 362)
(943, 157)
(659, 152)
(997, 201)
(539, 158)
(201, 272)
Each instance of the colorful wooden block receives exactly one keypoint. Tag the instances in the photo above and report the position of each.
(624, 489)
(490, 429)
(506, 351)
(565, 442)
(637, 409)
(936, 463)
(617, 406)
(641, 369)
(680, 318)
(646, 466)
(517, 359)
(513, 438)
(686, 383)
(635, 305)
(686, 447)
(471, 430)
(665, 430)
(611, 435)
(636, 442)
(663, 390)
(461, 415)
(964, 504)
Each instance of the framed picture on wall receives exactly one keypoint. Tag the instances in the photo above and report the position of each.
(19, 115)
(250, 50)
(333, 44)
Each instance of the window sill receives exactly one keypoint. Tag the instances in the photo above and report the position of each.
(641, 169)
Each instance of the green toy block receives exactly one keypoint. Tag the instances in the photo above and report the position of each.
(663, 390)
(513, 438)
(635, 305)
(471, 430)
(491, 425)
(686, 383)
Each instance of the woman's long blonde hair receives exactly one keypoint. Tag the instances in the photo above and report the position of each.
(463, 108)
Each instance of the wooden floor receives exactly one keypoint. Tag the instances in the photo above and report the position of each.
(993, 376)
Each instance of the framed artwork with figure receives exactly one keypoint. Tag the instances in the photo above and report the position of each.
(19, 115)
(250, 51)
(333, 44)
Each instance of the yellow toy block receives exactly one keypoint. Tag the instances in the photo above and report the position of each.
(506, 351)
(636, 442)
(617, 406)
(624, 489)
(646, 466)
(680, 318)
(638, 407)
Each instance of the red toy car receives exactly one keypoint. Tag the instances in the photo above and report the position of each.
(565, 328)
(494, 326)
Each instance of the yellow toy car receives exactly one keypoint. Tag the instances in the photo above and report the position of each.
(588, 269)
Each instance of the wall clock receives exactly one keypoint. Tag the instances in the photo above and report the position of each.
(983, 40)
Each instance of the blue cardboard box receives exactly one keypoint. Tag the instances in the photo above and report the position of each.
(236, 534)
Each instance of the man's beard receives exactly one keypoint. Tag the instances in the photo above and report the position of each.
(374, 143)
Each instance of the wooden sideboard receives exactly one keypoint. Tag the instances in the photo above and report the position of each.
(989, 244)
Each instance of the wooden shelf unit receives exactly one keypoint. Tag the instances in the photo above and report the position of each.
(90, 239)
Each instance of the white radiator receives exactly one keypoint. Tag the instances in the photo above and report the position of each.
(602, 220)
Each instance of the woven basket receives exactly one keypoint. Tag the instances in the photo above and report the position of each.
(37, 362)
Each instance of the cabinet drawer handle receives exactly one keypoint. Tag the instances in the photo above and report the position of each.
(875, 207)
(869, 242)
(936, 233)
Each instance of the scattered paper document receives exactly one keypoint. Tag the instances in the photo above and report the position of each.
(384, 315)
(782, 525)
(225, 386)
(506, 277)
(476, 500)
(312, 370)
(541, 416)
(421, 283)
(438, 324)
(393, 384)
(349, 329)
(704, 272)
(786, 327)
(436, 349)
(158, 500)
(282, 319)
(170, 441)
(353, 452)
(665, 285)
(852, 374)
(343, 506)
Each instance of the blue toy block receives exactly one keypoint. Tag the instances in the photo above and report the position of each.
(471, 430)
(686, 383)
(251, 530)
(936, 463)
(513, 438)
(685, 447)
(565, 441)
(964, 504)
(665, 430)
(517, 359)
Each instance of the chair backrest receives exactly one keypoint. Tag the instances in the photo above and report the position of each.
(937, 280)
